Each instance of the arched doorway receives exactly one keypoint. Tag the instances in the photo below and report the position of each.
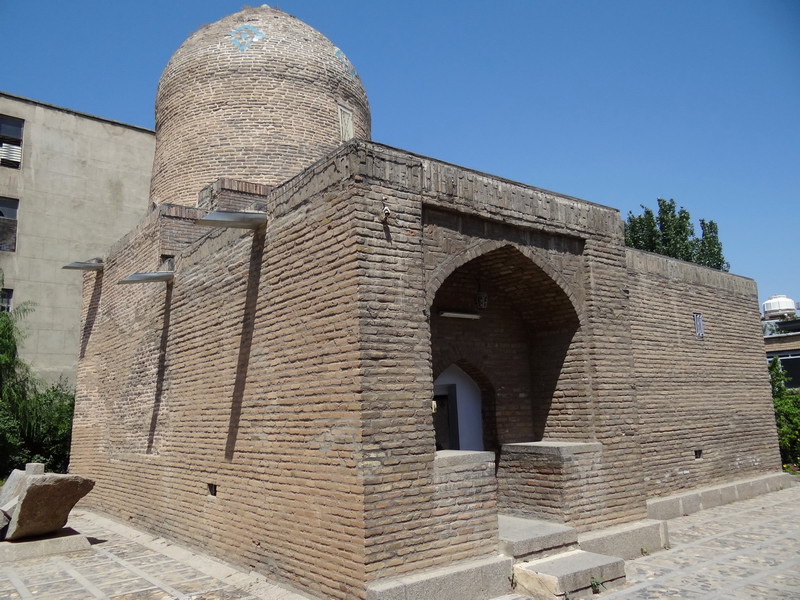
(458, 419)
(515, 334)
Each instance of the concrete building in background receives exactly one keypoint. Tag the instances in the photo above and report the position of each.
(782, 335)
(70, 185)
(375, 375)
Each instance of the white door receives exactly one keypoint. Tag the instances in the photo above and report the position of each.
(468, 406)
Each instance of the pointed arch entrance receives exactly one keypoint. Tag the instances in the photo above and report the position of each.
(513, 331)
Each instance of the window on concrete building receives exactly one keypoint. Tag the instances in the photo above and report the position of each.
(790, 361)
(345, 123)
(5, 299)
(698, 325)
(10, 141)
(8, 224)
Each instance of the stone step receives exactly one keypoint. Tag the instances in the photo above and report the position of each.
(524, 538)
(478, 579)
(573, 574)
(628, 541)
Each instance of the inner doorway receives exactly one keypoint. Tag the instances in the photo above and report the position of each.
(458, 420)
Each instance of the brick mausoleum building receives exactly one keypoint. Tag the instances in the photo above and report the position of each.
(277, 395)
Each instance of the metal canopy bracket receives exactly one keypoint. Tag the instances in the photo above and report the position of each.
(236, 220)
(149, 277)
(85, 266)
(454, 314)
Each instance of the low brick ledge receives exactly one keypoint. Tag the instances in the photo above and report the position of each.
(461, 458)
(560, 447)
(678, 505)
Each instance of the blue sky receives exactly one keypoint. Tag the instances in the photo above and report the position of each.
(614, 101)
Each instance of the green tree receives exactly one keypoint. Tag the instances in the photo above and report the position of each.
(709, 248)
(787, 413)
(35, 418)
(677, 231)
(642, 232)
(671, 233)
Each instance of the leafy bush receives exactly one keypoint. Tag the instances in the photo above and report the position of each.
(787, 414)
(35, 419)
(37, 428)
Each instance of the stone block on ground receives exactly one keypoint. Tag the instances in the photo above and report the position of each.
(746, 490)
(664, 508)
(13, 486)
(572, 574)
(780, 481)
(44, 504)
(690, 503)
(712, 497)
(62, 542)
(728, 494)
(6, 510)
(686, 503)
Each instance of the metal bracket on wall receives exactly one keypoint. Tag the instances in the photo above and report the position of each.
(89, 265)
(236, 220)
(149, 277)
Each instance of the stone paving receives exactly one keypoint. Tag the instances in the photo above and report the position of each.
(126, 564)
(749, 550)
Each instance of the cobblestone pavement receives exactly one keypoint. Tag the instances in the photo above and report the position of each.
(748, 550)
(125, 564)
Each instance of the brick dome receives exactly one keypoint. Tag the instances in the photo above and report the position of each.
(259, 96)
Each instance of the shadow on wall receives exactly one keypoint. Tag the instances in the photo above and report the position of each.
(549, 351)
(91, 312)
(245, 339)
(162, 364)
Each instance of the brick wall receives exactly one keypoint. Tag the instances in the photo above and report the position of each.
(708, 394)
(233, 195)
(293, 368)
(555, 481)
(256, 391)
(613, 416)
(465, 497)
(411, 256)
